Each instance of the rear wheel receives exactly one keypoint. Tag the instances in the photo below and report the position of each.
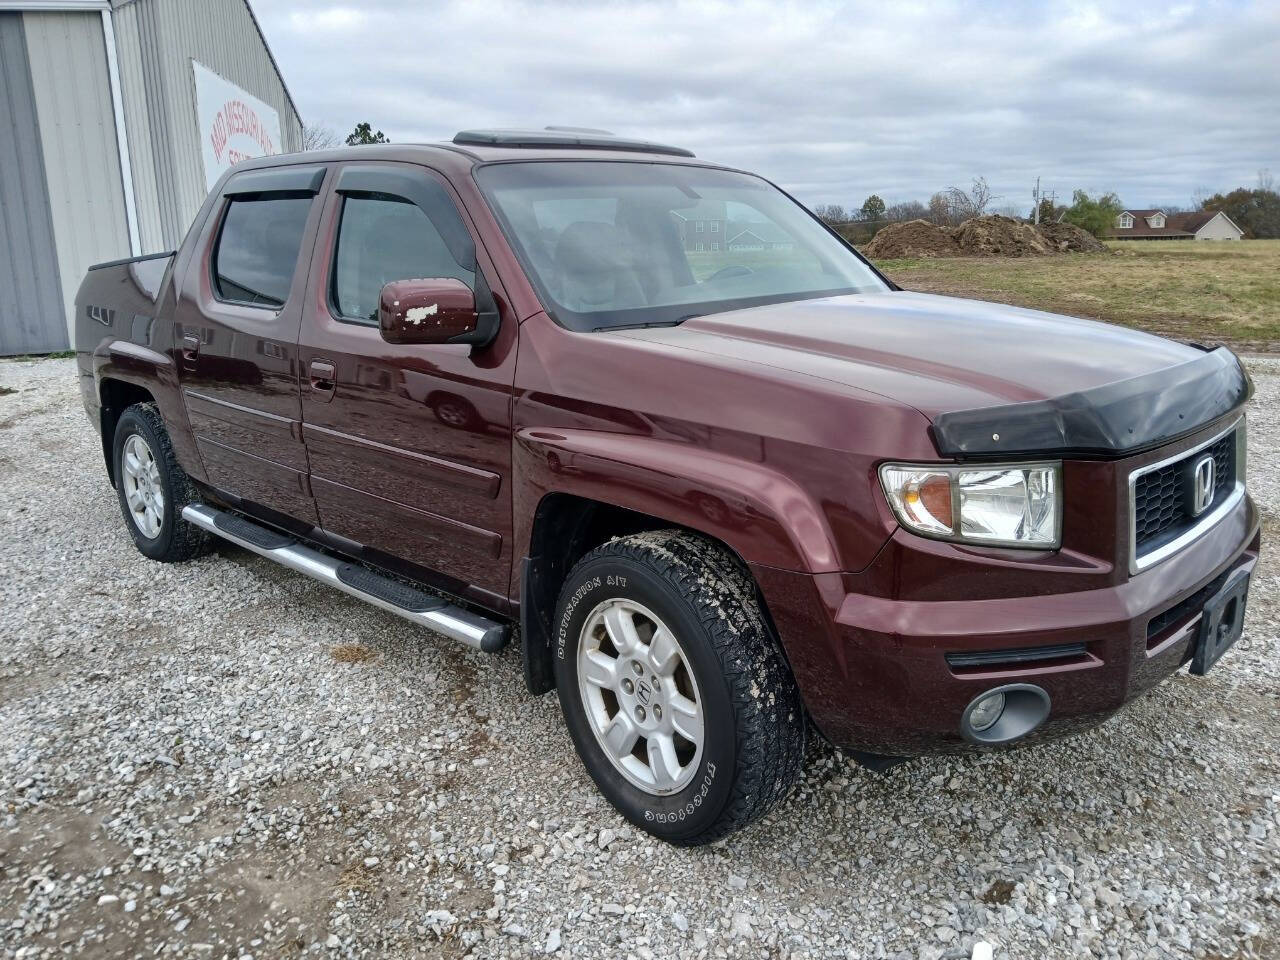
(153, 489)
(674, 687)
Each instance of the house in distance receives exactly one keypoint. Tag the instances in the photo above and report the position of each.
(1157, 225)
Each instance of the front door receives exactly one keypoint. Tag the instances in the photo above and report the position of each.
(409, 445)
(237, 320)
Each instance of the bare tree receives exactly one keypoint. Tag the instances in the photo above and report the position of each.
(1266, 181)
(906, 210)
(941, 210)
(972, 204)
(831, 213)
(316, 136)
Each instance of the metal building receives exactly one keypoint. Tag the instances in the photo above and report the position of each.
(115, 118)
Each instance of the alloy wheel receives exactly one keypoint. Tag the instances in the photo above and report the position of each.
(143, 489)
(640, 696)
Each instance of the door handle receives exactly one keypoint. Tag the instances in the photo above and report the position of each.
(323, 379)
(190, 349)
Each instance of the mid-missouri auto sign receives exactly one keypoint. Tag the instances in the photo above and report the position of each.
(234, 124)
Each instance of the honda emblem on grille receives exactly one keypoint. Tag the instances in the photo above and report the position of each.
(1205, 475)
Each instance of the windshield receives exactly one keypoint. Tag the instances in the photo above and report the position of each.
(610, 244)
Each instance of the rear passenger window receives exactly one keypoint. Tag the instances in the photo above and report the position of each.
(381, 239)
(258, 248)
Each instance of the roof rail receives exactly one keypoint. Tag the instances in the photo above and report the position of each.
(564, 137)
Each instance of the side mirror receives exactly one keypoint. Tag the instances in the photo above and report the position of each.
(438, 310)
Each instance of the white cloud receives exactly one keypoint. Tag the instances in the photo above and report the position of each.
(328, 18)
(831, 100)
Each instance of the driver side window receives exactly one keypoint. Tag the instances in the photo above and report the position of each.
(382, 238)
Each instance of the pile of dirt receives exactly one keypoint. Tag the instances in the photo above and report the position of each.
(988, 236)
(997, 236)
(915, 238)
(1068, 238)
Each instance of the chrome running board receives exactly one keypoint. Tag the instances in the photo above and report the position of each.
(417, 606)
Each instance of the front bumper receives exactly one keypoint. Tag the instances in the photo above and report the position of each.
(874, 673)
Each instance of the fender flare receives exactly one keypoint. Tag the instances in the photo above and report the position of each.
(756, 510)
(124, 361)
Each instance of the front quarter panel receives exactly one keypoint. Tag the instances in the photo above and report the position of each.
(779, 466)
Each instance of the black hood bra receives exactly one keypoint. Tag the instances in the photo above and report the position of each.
(1115, 419)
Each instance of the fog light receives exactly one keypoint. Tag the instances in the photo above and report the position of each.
(1004, 714)
(986, 711)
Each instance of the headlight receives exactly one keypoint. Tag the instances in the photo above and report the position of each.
(1010, 506)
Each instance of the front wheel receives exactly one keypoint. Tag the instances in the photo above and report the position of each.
(674, 687)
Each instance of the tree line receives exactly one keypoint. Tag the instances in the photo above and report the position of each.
(1256, 210)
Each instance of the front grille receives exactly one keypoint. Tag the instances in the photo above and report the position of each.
(1163, 497)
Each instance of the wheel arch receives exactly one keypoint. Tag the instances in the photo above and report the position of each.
(115, 396)
(567, 526)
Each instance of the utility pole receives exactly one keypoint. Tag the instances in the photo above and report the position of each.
(1037, 195)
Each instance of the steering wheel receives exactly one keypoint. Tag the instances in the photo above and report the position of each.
(726, 273)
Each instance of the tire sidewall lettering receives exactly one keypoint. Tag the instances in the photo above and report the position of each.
(585, 589)
(690, 806)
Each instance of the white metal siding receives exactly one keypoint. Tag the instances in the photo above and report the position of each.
(157, 40)
(138, 120)
(1219, 228)
(31, 315)
(68, 61)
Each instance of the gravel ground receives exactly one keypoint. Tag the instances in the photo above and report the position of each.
(225, 759)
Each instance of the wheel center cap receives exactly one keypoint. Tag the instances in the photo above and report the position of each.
(643, 693)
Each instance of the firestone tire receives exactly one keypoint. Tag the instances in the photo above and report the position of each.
(147, 474)
(752, 722)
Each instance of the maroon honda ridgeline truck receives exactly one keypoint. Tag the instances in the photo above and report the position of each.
(725, 476)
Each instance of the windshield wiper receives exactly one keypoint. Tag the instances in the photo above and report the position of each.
(639, 326)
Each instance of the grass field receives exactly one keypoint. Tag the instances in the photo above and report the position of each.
(1209, 292)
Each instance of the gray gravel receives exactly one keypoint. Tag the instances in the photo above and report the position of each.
(224, 759)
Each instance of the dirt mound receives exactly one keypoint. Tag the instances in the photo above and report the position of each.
(915, 238)
(988, 236)
(997, 236)
(1068, 238)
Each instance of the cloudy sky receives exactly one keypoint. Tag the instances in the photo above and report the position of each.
(832, 100)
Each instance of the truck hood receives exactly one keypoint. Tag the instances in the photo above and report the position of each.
(937, 354)
(992, 379)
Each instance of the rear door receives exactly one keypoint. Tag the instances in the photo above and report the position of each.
(409, 444)
(237, 321)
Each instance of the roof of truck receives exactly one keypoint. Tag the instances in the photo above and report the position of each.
(472, 147)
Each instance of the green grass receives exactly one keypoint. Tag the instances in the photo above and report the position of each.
(1194, 290)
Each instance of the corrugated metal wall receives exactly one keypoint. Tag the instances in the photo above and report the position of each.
(62, 193)
(31, 315)
(134, 28)
(157, 40)
(68, 58)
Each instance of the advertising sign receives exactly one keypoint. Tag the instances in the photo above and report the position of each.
(234, 124)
